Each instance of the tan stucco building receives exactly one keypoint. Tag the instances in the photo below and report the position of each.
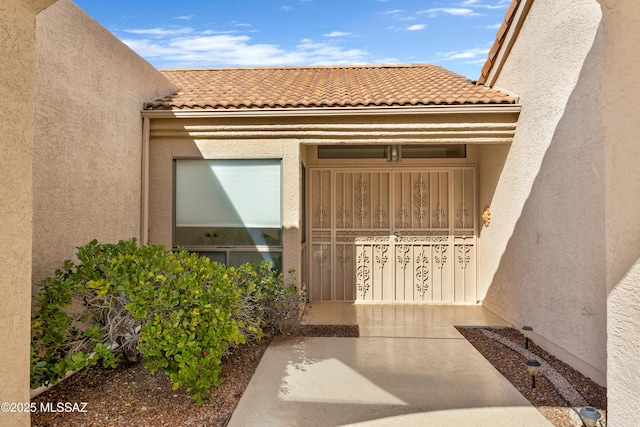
(552, 152)
(360, 173)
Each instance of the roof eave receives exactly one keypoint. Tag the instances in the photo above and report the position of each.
(335, 111)
(505, 38)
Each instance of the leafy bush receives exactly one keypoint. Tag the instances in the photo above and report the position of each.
(61, 339)
(180, 311)
(266, 302)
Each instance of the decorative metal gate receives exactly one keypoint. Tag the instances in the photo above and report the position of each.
(393, 235)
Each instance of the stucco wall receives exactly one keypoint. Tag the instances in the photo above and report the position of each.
(622, 133)
(543, 259)
(89, 91)
(17, 49)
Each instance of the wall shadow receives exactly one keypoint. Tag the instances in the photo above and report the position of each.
(552, 274)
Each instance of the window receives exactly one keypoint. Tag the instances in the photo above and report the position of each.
(229, 210)
(346, 151)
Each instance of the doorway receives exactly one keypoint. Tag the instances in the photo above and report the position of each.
(393, 234)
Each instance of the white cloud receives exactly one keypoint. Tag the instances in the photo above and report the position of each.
(327, 54)
(203, 50)
(184, 17)
(160, 31)
(493, 26)
(416, 27)
(476, 61)
(336, 34)
(399, 15)
(455, 11)
(285, 7)
(469, 54)
(500, 4)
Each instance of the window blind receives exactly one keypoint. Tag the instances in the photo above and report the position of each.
(228, 193)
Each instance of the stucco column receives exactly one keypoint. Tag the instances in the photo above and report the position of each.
(622, 136)
(17, 49)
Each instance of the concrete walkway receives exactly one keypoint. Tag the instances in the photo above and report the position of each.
(410, 367)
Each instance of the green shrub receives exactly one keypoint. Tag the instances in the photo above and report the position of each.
(186, 310)
(266, 302)
(63, 340)
(181, 312)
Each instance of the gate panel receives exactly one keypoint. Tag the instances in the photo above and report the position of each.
(414, 272)
(464, 196)
(374, 267)
(443, 291)
(344, 272)
(465, 271)
(421, 269)
(394, 235)
(321, 190)
(321, 287)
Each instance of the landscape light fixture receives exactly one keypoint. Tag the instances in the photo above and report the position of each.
(533, 366)
(590, 416)
(526, 330)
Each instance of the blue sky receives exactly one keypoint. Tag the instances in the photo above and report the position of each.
(455, 34)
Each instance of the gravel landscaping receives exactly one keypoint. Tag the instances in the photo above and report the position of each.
(130, 396)
(559, 387)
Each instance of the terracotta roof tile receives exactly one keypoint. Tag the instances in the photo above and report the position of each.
(499, 42)
(321, 87)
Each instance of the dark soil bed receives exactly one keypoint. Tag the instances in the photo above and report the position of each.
(130, 396)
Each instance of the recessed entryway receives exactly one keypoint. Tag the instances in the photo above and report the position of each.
(393, 234)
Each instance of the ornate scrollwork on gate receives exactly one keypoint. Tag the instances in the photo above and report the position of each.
(363, 275)
(381, 255)
(422, 273)
(439, 215)
(463, 217)
(440, 256)
(381, 214)
(463, 255)
(403, 216)
(422, 239)
(351, 236)
(343, 215)
(320, 215)
(420, 200)
(343, 256)
(372, 239)
(321, 256)
(403, 255)
(362, 199)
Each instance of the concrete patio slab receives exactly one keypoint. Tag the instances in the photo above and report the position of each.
(420, 372)
(402, 320)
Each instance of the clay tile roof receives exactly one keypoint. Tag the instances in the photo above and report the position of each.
(499, 42)
(322, 87)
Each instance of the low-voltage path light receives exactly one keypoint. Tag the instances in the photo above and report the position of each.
(590, 416)
(533, 366)
(526, 331)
